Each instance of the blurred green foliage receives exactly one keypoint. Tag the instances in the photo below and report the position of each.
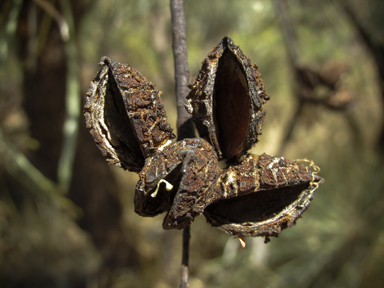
(338, 243)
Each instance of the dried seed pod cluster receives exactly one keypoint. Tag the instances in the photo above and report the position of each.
(253, 196)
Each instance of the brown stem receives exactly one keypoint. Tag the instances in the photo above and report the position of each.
(288, 33)
(185, 257)
(377, 50)
(185, 128)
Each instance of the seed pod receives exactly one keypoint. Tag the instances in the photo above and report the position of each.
(190, 168)
(253, 196)
(261, 196)
(226, 101)
(125, 115)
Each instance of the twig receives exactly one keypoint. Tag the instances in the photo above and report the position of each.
(18, 165)
(291, 46)
(288, 33)
(10, 28)
(72, 102)
(306, 81)
(377, 52)
(185, 257)
(55, 14)
(185, 127)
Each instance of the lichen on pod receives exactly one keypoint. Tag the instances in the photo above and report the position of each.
(226, 101)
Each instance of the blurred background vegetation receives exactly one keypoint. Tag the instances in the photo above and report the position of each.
(66, 217)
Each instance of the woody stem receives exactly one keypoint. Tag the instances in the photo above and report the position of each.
(185, 128)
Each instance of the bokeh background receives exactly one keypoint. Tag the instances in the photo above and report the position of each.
(66, 217)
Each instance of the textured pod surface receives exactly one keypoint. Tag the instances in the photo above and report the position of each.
(226, 101)
(190, 166)
(253, 196)
(261, 196)
(125, 115)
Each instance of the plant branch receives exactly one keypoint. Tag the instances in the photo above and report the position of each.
(72, 102)
(185, 128)
(55, 14)
(185, 257)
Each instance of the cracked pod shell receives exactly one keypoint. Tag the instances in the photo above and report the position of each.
(125, 115)
(191, 166)
(261, 196)
(226, 101)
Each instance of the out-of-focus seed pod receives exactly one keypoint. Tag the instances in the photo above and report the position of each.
(125, 115)
(226, 101)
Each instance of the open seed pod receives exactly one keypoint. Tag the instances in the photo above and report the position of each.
(226, 101)
(172, 180)
(261, 196)
(253, 196)
(125, 115)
